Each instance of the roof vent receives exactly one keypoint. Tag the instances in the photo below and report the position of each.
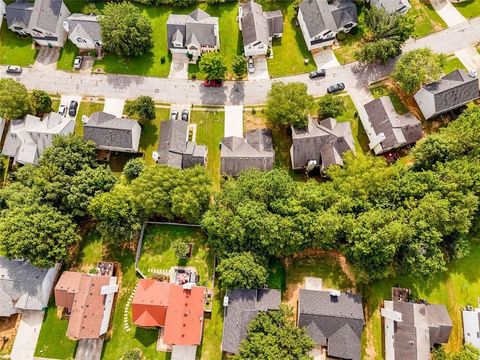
(472, 73)
(335, 293)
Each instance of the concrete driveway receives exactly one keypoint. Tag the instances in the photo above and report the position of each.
(469, 57)
(179, 67)
(114, 106)
(27, 335)
(261, 69)
(66, 99)
(47, 58)
(89, 349)
(233, 121)
(325, 59)
(448, 12)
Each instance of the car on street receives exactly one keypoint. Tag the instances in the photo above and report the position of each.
(185, 115)
(12, 69)
(317, 73)
(212, 83)
(332, 89)
(77, 63)
(174, 115)
(62, 110)
(251, 65)
(72, 109)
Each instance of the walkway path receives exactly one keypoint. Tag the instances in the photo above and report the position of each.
(27, 335)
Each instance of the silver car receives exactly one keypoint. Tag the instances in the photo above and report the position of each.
(251, 66)
(12, 69)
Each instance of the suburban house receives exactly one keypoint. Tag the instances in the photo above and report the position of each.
(175, 149)
(84, 31)
(471, 326)
(255, 151)
(24, 286)
(28, 138)
(386, 129)
(258, 28)
(193, 34)
(392, 6)
(333, 319)
(178, 311)
(321, 143)
(321, 20)
(87, 300)
(111, 133)
(18, 16)
(2, 12)
(412, 329)
(240, 307)
(450, 92)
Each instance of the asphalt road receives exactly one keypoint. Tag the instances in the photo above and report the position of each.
(355, 76)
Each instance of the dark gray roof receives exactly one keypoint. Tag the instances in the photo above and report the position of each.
(19, 13)
(254, 152)
(175, 150)
(198, 27)
(319, 15)
(23, 286)
(392, 6)
(453, 90)
(46, 14)
(107, 131)
(243, 307)
(333, 321)
(84, 26)
(323, 141)
(398, 130)
(274, 22)
(254, 24)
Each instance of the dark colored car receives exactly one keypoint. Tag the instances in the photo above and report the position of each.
(317, 73)
(212, 83)
(72, 109)
(185, 115)
(174, 115)
(11, 69)
(336, 88)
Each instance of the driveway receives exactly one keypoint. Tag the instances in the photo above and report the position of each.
(114, 106)
(179, 67)
(89, 349)
(448, 12)
(261, 69)
(469, 57)
(47, 58)
(27, 335)
(234, 121)
(66, 99)
(325, 59)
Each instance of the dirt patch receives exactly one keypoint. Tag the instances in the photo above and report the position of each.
(8, 330)
(254, 121)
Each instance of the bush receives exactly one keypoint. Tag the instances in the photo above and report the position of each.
(134, 354)
(133, 168)
(142, 107)
(180, 248)
(162, 60)
(330, 106)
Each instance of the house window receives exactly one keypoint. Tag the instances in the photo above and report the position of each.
(98, 43)
(177, 45)
(80, 40)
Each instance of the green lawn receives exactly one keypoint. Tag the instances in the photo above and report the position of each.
(427, 20)
(210, 132)
(157, 252)
(468, 9)
(67, 56)
(276, 275)
(53, 341)
(210, 349)
(86, 108)
(91, 251)
(383, 90)
(151, 133)
(14, 50)
(351, 42)
(452, 63)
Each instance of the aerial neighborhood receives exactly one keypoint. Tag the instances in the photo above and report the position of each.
(208, 180)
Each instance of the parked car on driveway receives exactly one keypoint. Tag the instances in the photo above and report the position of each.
(174, 115)
(212, 83)
(12, 69)
(62, 110)
(332, 89)
(72, 109)
(251, 65)
(77, 64)
(317, 73)
(185, 115)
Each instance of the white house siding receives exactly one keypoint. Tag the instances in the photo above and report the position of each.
(426, 102)
(47, 284)
(86, 44)
(260, 49)
(136, 132)
(2, 11)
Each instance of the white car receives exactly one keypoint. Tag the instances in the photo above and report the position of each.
(77, 64)
(62, 110)
(251, 66)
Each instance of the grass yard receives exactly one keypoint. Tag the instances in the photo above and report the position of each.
(91, 251)
(210, 131)
(53, 341)
(427, 20)
(384, 90)
(210, 349)
(14, 50)
(67, 56)
(86, 108)
(351, 42)
(151, 133)
(452, 63)
(157, 252)
(468, 9)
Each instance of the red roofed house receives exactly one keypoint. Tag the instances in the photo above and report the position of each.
(178, 309)
(88, 300)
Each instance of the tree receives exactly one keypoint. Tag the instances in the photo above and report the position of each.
(241, 271)
(289, 104)
(14, 100)
(468, 352)
(388, 32)
(330, 106)
(37, 233)
(142, 107)
(133, 168)
(428, 68)
(239, 66)
(180, 248)
(134, 354)
(212, 64)
(125, 31)
(41, 102)
(272, 336)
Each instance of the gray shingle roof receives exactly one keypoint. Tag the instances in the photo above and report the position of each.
(254, 24)
(453, 90)
(46, 14)
(19, 13)
(392, 6)
(243, 307)
(323, 141)
(254, 152)
(84, 26)
(198, 27)
(398, 130)
(107, 131)
(333, 321)
(274, 22)
(344, 12)
(22, 286)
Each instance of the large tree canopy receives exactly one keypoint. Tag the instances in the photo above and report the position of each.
(15, 101)
(212, 64)
(241, 271)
